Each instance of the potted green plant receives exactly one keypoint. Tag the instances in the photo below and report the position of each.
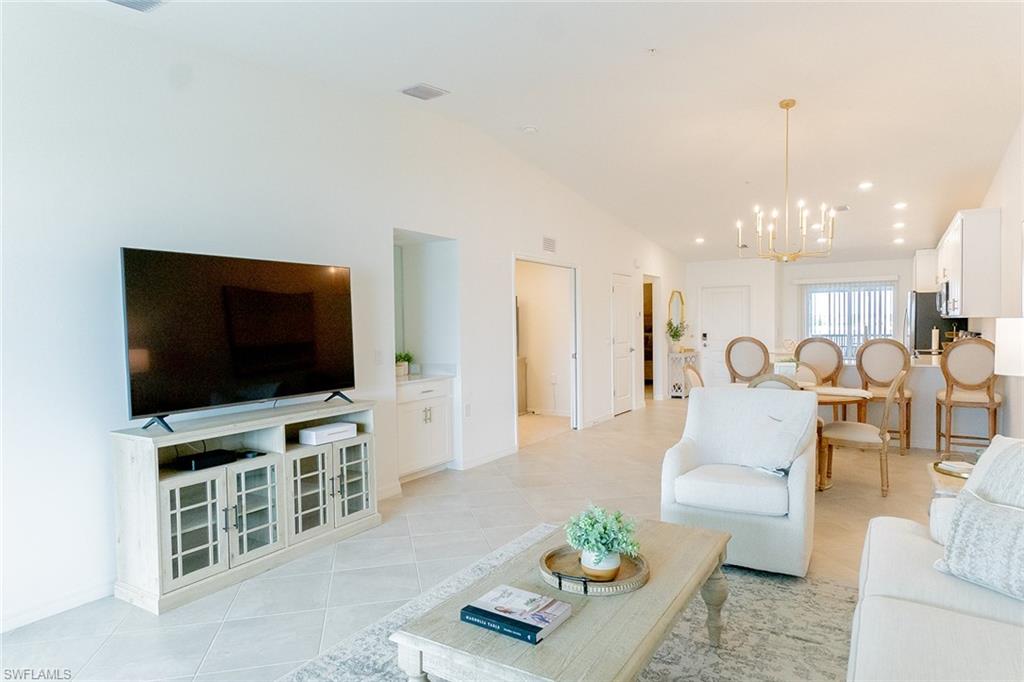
(601, 537)
(402, 361)
(675, 331)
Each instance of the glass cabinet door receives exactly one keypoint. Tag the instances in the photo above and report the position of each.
(194, 527)
(352, 467)
(255, 498)
(310, 487)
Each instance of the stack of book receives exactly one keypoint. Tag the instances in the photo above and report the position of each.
(517, 613)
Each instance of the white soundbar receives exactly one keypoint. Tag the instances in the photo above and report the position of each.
(327, 433)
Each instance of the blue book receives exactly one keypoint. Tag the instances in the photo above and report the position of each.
(516, 613)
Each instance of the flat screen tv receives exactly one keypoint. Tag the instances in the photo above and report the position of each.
(207, 331)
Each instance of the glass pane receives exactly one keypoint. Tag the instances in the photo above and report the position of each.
(195, 561)
(311, 520)
(195, 538)
(173, 494)
(193, 494)
(215, 560)
(257, 518)
(354, 504)
(194, 518)
(258, 538)
(354, 486)
(354, 453)
(310, 501)
(174, 544)
(308, 465)
(273, 533)
(174, 568)
(255, 478)
(256, 499)
(310, 484)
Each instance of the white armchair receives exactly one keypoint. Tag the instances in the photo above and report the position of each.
(718, 476)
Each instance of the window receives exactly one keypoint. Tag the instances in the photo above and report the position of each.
(850, 313)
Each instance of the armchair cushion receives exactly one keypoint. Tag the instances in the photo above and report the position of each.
(731, 488)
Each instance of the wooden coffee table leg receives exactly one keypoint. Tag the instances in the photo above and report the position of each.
(410, 660)
(715, 591)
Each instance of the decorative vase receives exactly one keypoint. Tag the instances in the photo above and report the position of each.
(604, 571)
(401, 369)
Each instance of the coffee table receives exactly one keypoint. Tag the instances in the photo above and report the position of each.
(606, 638)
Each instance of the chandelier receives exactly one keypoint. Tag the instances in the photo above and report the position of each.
(774, 240)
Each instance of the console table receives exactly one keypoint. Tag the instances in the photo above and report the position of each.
(184, 534)
(677, 387)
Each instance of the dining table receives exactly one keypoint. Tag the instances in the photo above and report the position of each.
(836, 396)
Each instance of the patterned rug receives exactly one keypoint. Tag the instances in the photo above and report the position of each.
(776, 628)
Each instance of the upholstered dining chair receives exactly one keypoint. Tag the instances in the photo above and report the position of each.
(878, 363)
(968, 366)
(826, 358)
(746, 358)
(692, 377)
(806, 374)
(866, 436)
(773, 381)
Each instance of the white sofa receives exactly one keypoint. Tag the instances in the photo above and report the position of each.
(770, 518)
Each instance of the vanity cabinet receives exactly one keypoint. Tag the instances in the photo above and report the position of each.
(424, 425)
(968, 264)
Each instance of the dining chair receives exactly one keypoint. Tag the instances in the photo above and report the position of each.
(968, 366)
(862, 436)
(806, 374)
(826, 357)
(692, 377)
(878, 363)
(773, 381)
(746, 358)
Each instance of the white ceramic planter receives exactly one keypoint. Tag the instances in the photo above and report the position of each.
(607, 569)
(401, 369)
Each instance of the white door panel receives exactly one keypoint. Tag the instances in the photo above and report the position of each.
(622, 343)
(724, 315)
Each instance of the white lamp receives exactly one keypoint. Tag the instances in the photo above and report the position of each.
(1010, 346)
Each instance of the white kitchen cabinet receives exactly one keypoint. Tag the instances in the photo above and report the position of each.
(424, 425)
(926, 276)
(968, 264)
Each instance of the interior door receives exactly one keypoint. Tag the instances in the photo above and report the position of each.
(622, 343)
(724, 315)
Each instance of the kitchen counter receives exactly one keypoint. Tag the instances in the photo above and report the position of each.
(417, 378)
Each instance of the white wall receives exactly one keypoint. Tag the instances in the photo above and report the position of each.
(1007, 193)
(544, 294)
(430, 303)
(115, 137)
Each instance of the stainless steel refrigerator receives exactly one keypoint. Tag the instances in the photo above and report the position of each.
(920, 317)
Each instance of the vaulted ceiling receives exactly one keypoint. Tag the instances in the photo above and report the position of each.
(666, 114)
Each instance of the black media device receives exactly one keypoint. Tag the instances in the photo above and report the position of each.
(209, 331)
(204, 460)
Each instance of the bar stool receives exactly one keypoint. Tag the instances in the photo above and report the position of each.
(968, 365)
(879, 361)
(826, 358)
(746, 358)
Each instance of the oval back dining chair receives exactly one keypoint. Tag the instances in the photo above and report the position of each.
(826, 357)
(866, 436)
(968, 366)
(774, 381)
(746, 358)
(806, 374)
(692, 377)
(878, 363)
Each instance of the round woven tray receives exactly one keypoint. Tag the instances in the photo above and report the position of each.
(560, 568)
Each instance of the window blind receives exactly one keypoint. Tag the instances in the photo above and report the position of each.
(850, 313)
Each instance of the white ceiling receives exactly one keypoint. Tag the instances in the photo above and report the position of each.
(920, 98)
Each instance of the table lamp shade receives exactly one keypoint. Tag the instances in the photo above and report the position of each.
(1010, 346)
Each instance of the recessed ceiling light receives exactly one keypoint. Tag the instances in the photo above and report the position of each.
(865, 186)
(529, 130)
(899, 226)
(900, 205)
(898, 240)
(816, 226)
(699, 240)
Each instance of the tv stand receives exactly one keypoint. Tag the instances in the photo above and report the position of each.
(158, 421)
(338, 394)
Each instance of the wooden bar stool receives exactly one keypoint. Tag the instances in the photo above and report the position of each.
(879, 361)
(826, 358)
(746, 358)
(968, 365)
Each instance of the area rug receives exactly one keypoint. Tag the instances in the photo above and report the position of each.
(777, 628)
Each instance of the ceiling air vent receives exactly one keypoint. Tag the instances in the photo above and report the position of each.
(424, 91)
(549, 244)
(139, 5)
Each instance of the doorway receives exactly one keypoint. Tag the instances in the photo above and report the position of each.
(623, 350)
(545, 350)
(724, 315)
(648, 340)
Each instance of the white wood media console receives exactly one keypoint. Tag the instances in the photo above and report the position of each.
(184, 534)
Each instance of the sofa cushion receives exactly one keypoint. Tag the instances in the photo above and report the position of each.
(895, 639)
(939, 516)
(727, 487)
(898, 561)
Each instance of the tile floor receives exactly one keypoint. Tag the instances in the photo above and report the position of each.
(534, 428)
(440, 524)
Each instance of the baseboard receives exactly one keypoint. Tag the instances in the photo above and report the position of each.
(484, 459)
(52, 607)
(548, 413)
(390, 490)
(599, 420)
